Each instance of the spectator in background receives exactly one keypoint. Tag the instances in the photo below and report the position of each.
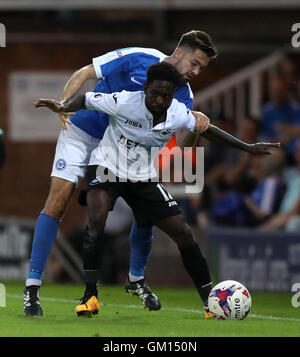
(290, 206)
(266, 198)
(240, 210)
(280, 113)
(291, 132)
(2, 150)
(289, 68)
(230, 171)
(214, 156)
(236, 164)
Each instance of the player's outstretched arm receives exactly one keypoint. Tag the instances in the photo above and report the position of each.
(74, 103)
(73, 85)
(220, 136)
(76, 81)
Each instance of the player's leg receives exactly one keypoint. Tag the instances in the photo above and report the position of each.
(192, 258)
(98, 207)
(44, 236)
(72, 152)
(140, 249)
(99, 203)
(140, 240)
(47, 227)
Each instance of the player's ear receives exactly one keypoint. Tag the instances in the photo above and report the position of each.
(178, 53)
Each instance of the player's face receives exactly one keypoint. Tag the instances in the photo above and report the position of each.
(190, 63)
(159, 96)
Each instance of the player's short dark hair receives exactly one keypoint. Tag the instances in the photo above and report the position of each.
(199, 40)
(164, 71)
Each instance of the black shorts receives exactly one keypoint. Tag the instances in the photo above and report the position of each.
(150, 202)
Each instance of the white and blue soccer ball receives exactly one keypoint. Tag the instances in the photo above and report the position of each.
(229, 300)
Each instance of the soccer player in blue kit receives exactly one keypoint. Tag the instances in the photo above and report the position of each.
(123, 69)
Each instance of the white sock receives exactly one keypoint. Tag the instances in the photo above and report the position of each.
(134, 278)
(33, 282)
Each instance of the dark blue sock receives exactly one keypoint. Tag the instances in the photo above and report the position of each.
(140, 248)
(44, 236)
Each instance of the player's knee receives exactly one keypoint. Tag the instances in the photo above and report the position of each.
(97, 219)
(98, 207)
(184, 236)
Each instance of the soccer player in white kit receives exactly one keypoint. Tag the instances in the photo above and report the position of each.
(123, 69)
(138, 122)
(157, 116)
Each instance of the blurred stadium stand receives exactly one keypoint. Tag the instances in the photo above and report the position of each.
(50, 39)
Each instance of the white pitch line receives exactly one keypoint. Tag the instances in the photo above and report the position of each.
(174, 309)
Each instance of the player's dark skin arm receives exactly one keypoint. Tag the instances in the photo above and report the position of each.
(70, 106)
(219, 136)
(74, 103)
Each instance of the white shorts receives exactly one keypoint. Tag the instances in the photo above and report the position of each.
(72, 155)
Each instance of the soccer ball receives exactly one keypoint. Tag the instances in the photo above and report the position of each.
(229, 300)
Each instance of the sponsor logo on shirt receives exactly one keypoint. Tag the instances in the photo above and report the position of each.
(130, 144)
(133, 123)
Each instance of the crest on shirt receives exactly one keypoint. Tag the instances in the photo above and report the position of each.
(61, 164)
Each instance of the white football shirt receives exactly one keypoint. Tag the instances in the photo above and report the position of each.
(130, 142)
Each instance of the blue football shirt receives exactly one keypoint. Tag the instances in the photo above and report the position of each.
(123, 69)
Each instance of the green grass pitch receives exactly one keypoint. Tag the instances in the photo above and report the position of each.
(121, 315)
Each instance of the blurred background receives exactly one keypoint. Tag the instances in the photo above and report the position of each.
(247, 216)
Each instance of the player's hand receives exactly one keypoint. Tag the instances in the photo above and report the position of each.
(56, 107)
(263, 148)
(202, 122)
(51, 104)
(64, 120)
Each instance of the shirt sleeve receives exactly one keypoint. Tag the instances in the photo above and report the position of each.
(183, 116)
(185, 95)
(111, 58)
(115, 62)
(103, 102)
(190, 121)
